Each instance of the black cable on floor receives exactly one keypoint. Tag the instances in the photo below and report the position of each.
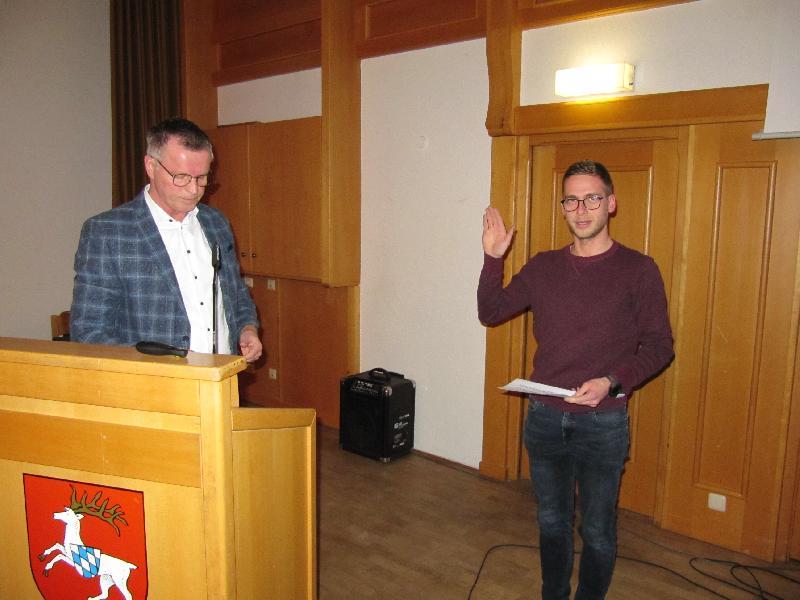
(486, 557)
(532, 547)
(673, 572)
(755, 589)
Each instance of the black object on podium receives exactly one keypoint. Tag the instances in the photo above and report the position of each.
(376, 414)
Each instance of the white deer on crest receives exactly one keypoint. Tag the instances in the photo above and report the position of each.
(87, 561)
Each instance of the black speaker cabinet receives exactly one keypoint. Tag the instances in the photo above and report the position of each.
(376, 414)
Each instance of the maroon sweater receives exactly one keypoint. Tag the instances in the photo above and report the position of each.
(593, 316)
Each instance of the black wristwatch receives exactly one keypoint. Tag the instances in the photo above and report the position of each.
(616, 386)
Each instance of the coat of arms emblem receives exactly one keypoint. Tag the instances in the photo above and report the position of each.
(85, 540)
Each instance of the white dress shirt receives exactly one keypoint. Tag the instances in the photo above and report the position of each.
(190, 255)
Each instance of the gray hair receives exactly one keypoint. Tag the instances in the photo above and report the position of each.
(188, 134)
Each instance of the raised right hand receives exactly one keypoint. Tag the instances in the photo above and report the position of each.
(496, 239)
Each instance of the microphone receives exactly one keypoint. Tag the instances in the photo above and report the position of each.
(215, 262)
(215, 259)
(160, 349)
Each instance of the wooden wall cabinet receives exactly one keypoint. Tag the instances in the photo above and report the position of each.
(267, 182)
(310, 333)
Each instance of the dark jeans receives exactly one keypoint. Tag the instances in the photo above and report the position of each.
(588, 449)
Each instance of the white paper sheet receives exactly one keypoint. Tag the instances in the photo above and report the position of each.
(533, 387)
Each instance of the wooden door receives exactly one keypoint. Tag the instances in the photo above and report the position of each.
(735, 342)
(229, 190)
(645, 174)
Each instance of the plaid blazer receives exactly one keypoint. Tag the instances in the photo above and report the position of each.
(125, 288)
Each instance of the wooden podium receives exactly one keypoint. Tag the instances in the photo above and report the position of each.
(173, 490)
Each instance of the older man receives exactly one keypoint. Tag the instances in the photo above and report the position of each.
(143, 270)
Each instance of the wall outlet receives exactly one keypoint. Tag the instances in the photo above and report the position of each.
(248, 281)
(717, 502)
(273, 373)
(271, 284)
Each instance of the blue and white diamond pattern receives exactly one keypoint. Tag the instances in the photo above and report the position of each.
(85, 559)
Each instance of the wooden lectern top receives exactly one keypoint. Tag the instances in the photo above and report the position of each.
(113, 376)
(119, 359)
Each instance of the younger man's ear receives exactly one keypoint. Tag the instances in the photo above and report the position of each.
(612, 204)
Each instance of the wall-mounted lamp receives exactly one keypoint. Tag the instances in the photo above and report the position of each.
(593, 80)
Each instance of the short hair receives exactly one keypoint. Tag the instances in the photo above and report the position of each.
(589, 167)
(188, 134)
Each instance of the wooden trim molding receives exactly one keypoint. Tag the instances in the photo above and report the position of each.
(267, 68)
(503, 57)
(788, 535)
(388, 26)
(721, 105)
(542, 13)
(341, 146)
(198, 60)
(502, 414)
(285, 50)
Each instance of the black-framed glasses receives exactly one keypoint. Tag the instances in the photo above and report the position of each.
(183, 179)
(590, 202)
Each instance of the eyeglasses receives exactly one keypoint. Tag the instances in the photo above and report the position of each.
(183, 179)
(590, 202)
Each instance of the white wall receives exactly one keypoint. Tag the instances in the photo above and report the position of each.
(278, 98)
(784, 90)
(55, 151)
(425, 178)
(425, 183)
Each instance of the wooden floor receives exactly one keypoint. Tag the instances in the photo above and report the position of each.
(418, 529)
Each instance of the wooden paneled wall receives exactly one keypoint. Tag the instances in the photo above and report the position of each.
(390, 26)
(737, 336)
(259, 39)
(726, 427)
